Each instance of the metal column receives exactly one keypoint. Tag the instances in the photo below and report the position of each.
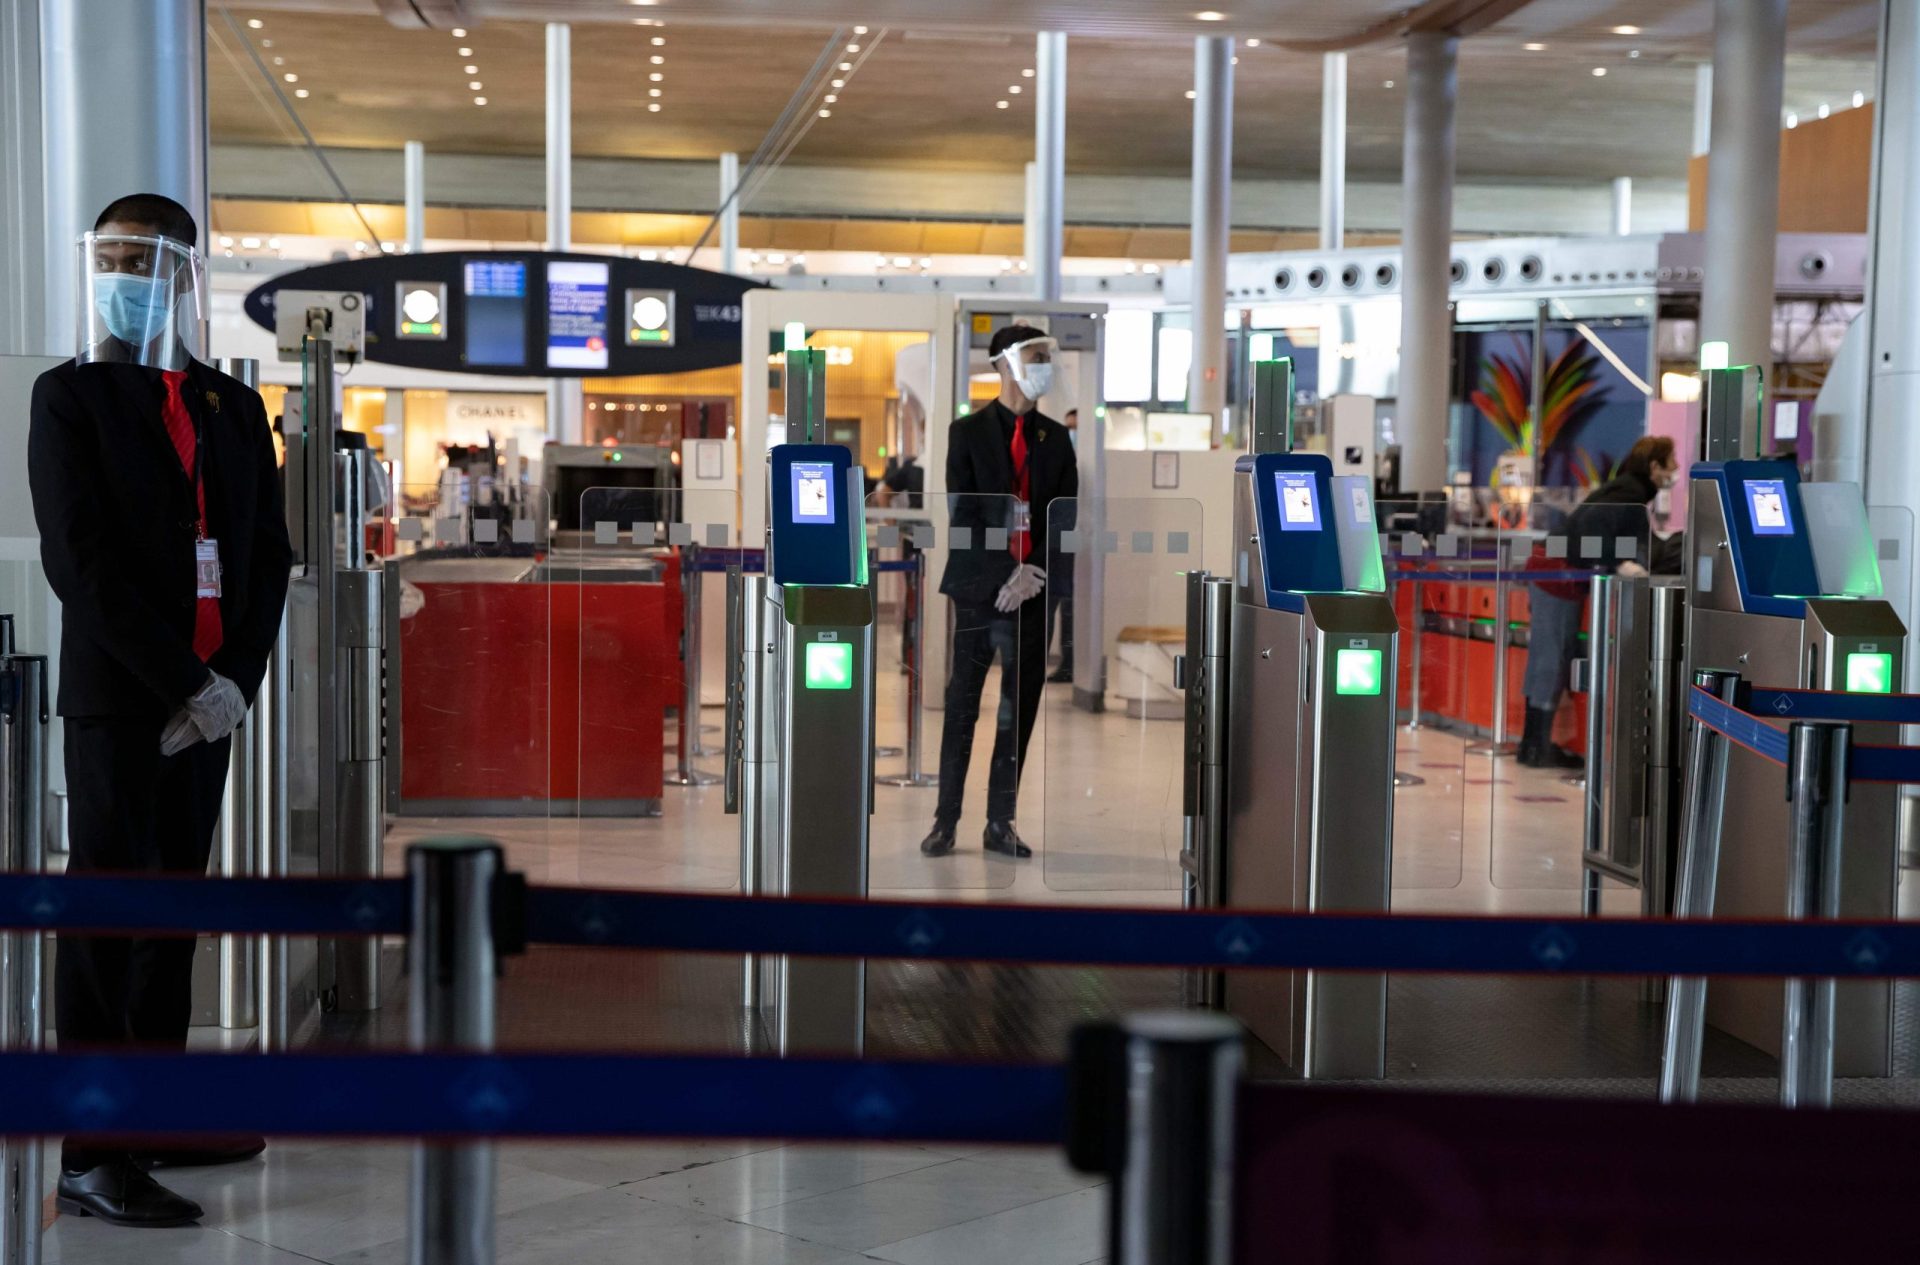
(1048, 242)
(752, 781)
(23, 799)
(240, 824)
(729, 212)
(1621, 221)
(1173, 1197)
(1212, 214)
(1702, 108)
(359, 750)
(1743, 176)
(1426, 233)
(1333, 151)
(454, 958)
(414, 181)
(688, 746)
(565, 410)
(269, 731)
(1818, 757)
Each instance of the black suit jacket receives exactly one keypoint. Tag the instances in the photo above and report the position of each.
(117, 527)
(980, 488)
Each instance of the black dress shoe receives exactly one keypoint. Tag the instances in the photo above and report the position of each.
(939, 840)
(1001, 837)
(1061, 676)
(206, 1154)
(119, 1192)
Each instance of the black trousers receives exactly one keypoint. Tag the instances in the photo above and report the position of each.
(131, 811)
(1019, 640)
(1060, 602)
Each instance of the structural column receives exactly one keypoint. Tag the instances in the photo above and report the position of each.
(415, 192)
(123, 110)
(1046, 228)
(729, 213)
(1702, 108)
(1333, 151)
(1622, 219)
(1212, 217)
(1743, 178)
(564, 397)
(1426, 323)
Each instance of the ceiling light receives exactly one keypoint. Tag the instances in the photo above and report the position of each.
(846, 65)
(266, 43)
(830, 98)
(1634, 53)
(291, 77)
(1824, 111)
(472, 70)
(1859, 99)
(1189, 94)
(250, 243)
(926, 262)
(1013, 89)
(1000, 105)
(273, 243)
(1386, 83)
(1027, 73)
(1236, 59)
(279, 61)
(657, 77)
(459, 32)
(1599, 72)
(859, 30)
(1535, 48)
(826, 114)
(853, 48)
(1254, 43)
(255, 23)
(653, 92)
(655, 107)
(839, 83)
(301, 93)
(1793, 120)
(474, 85)
(479, 100)
(659, 41)
(1626, 30)
(466, 52)
(225, 240)
(1209, 15)
(902, 261)
(657, 60)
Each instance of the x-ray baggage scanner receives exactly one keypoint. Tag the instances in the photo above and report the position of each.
(801, 718)
(1784, 588)
(1308, 818)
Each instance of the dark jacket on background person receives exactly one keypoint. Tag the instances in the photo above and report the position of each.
(1618, 508)
(980, 493)
(118, 523)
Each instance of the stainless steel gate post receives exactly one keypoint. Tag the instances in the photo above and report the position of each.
(1419, 618)
(916, 680)
(1699, 869)
(1498, 746)
(1598, 674)
(269, 731)
(1173, 1201)
(359, 749)
(453, 958)
(684, 774)
(1819, 754)
(23, 799)
(752, 662)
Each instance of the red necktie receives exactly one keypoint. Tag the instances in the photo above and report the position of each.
(173, 412)
(1021, 542)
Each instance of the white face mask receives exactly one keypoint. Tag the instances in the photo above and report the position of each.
(1034, 380)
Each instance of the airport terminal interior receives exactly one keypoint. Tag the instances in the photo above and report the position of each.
(1376, 482)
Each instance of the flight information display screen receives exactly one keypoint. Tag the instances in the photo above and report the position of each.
(496, 312)
(1767, 507)
(813, 495)
(576, 315)
(1299, 500)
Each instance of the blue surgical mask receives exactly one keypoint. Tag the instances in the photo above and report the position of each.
(135, 309)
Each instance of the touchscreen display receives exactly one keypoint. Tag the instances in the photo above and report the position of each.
(1767, 507)
(813, 492)
(1299, 500)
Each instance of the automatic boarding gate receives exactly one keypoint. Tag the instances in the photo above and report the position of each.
(800, 718)
(1784, 589)
(1291, 790)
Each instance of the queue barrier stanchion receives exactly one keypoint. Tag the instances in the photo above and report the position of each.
(460, 893)
(684, 774)
(23, 797)
(1817, 772)
(1699, 868)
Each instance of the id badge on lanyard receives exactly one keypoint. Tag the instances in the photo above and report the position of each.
(206, 568)
(1022, 518)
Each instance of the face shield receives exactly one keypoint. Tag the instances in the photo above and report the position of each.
(141, 301)
(1031, 364)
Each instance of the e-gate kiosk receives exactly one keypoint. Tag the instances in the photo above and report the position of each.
(803, 729)
(1313, 666)
(1783, 588)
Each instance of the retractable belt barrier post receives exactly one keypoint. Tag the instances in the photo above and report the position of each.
(1817, 766)
(23, 797)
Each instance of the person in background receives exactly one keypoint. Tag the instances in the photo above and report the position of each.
(163, 533)
(1060, 573)
(1006, 464)
(1615, 510)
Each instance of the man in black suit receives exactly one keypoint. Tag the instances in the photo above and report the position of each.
(163, 535)
(1006, 464)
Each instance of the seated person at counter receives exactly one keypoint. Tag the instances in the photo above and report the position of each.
(1615, 509)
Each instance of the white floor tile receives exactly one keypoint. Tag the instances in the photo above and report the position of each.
(1066, 1230)
(735, 1187)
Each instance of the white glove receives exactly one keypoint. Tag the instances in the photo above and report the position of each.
(217, 709)
(1026, 582)
(179, 734)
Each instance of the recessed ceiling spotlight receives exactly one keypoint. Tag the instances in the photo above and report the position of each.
(471, 69)
(826, 114)
(654, 92)
(1793, 120)
(1535, 47)
(1001, 105)
(266, 43)
(1013, 89)
(839, 83)
(1634, 53)
(464, 51)
(1189, 94)
(1209, 15)
(1386, 83)
(479, 100)
(225, 240)
(846, 65)
(1027, 73)
(853, 48)
(1859, 99)
(1626, 30)
(830, 99)
(250, 243)
(302, 93)
(859, 30)
(655, 107)
(659, 41)
(291, 77)
(279, 61)
(474, 85)
(1599, 72)
(459, 32)
(255, 23)
(657, 60)
(657, 77)
(1253, 43)
(1824, 111)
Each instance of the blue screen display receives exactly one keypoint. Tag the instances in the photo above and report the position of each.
(1767, 507)
(576, 315)
(813, 492)
(1299, 497)
(496, 312)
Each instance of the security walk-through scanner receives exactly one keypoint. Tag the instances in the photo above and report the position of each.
(1295, 810)
(1784, 589)
(800, 716)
